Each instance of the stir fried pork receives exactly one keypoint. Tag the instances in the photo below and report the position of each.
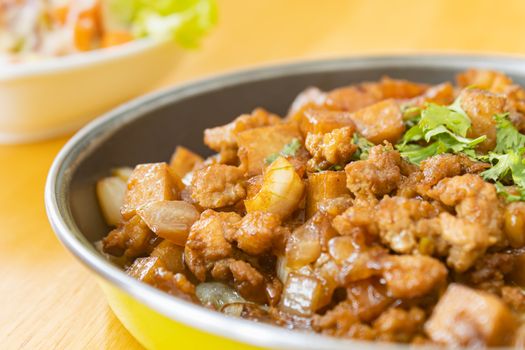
(389, 211)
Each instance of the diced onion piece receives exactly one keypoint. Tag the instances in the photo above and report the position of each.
(281, 191)
(303, 246)
(282, 269)
(170, 220)
(171, 255)
(217, 295)
(110, 194)
(302, 295)
(123, 172)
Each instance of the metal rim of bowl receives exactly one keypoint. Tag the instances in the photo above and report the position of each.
(99, 130)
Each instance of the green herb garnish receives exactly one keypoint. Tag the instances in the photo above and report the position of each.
(289, 150)
(508, 165)
(441, 129)
(363, 147)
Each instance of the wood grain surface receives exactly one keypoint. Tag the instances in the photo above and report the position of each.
(48, 300)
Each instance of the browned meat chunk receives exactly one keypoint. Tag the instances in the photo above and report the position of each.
(368, 299)
(490, 271)
(206, 243)
(481, 106)
(319, 121)
(249, 282)
(148, 183)
(255, 145)
(378, 175)
(257, 232)
(132, 239)
(334, 148)
(224, 137)
(380, 122)
(399, 325)
(466, 317)
(478, 224)
(437, 168)
(410, 276)
(217, 186)
(400, 225)
(341, 321)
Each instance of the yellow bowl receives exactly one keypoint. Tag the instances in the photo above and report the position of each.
(148, 129)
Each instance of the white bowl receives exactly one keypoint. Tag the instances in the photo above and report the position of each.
(52, 97)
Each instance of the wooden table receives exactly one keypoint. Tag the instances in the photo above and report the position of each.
(48, 300)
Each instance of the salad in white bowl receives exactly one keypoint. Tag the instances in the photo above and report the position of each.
(63, 62)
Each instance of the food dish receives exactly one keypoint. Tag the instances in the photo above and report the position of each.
(68, 90)
(36, 30)
(88, 167)
(370, 211)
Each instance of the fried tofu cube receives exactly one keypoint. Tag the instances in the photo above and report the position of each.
(143, 269)
(400, 88)
(148, 183)
(353, 98)
(480, 106)
(318, 121)
(171, 255)
(380, 122)
(467, 317)
(255, 145)
(183, 161)
(324, 185)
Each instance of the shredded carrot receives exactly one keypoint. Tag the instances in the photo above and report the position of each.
(116, 38)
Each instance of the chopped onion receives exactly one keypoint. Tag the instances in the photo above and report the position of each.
(170, 220)
(281, 191)
(282, 269)
(217, 295)
(110, 194)
(123, 172)
(303, 246)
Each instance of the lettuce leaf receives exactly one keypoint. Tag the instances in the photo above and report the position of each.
(184, 21)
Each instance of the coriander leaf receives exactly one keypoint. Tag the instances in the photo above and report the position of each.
(412, 135)
(363, 147)
(507, 167)
(435, 115)
(289, 150)
(501, 166)
(518, 194)
(507, 136)
(415, 153)
(271, 158)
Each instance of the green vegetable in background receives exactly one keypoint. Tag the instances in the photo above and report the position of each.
(184, 21)
(440, 129)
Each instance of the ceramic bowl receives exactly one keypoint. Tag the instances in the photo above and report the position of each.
(47, 98)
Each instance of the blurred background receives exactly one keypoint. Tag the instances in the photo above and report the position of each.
(49, 300)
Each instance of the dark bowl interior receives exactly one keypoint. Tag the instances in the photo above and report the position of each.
(173, 120)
